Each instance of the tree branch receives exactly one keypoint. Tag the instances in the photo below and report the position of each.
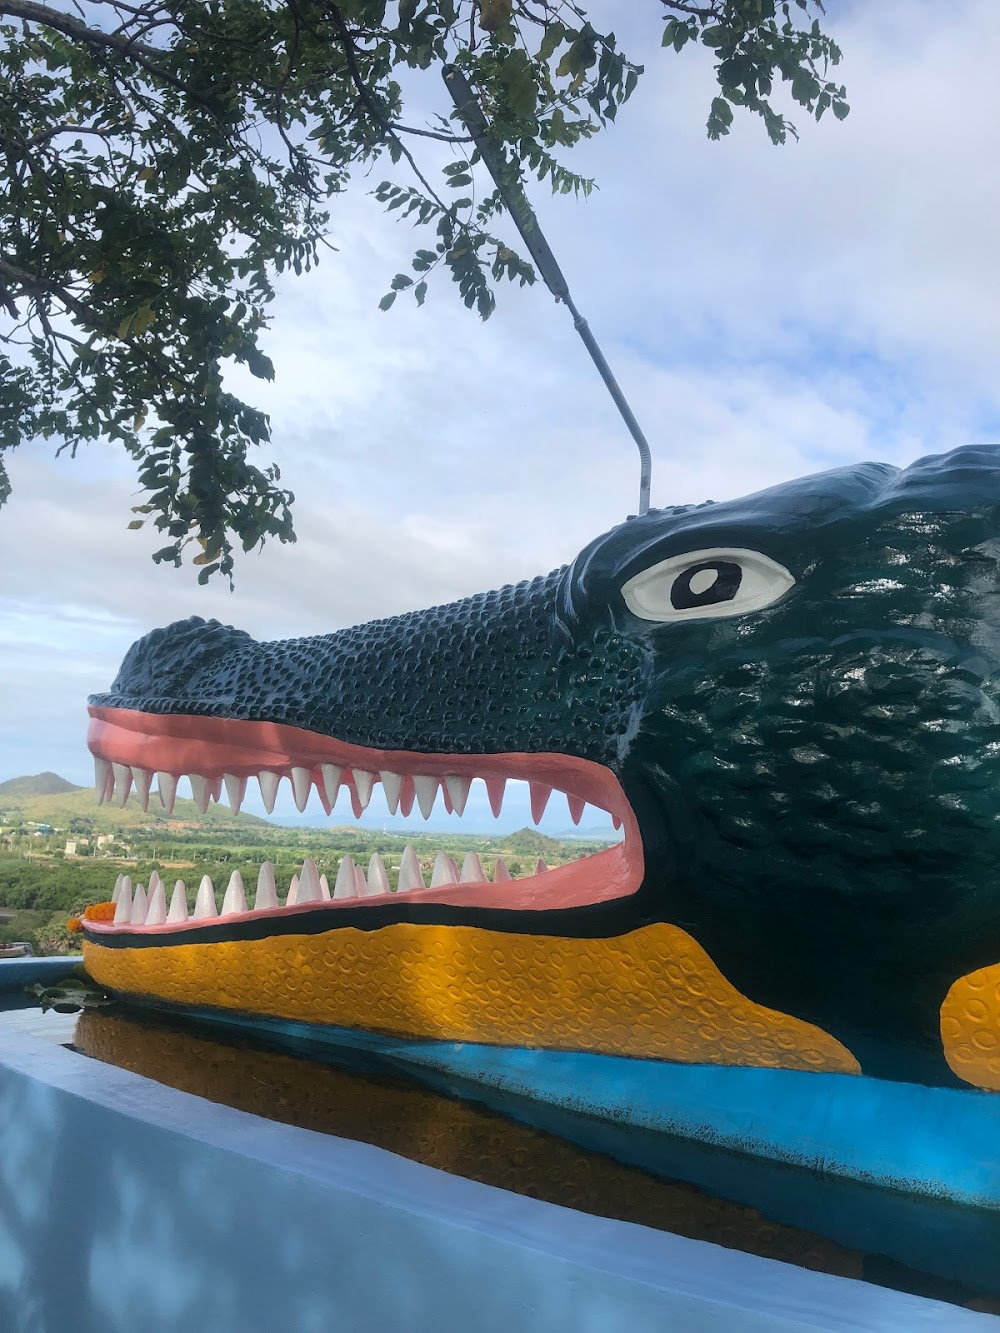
(32, 12)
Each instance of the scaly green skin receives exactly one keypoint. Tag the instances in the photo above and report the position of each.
(817, 783)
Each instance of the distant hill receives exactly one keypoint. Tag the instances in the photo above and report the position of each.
(42, 784)
(60, 802)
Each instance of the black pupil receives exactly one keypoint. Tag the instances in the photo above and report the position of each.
(728, 578)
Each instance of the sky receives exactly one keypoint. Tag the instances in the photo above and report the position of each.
(769, 312)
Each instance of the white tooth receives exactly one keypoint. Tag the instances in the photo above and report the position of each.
(199, 791)
(215, 790)
(443, 871)
(410, 874)
(123, 782)
(472, 870)
(154, 880)
(309, 888)
(139, 906)
(301, 787)
(268, 789)
(267, 893)
(363, 783)
(392, 784)
(123, 910)
(156, 912)
(324, 888)
(166, 785)
(103, 778)
(141, 778)
(458, 792)
(495, 789)
(293, 892)
(539, 795)
(331, 776)
(426, 789)
(235, 899)
(236, 789)
(346, 885)
(501, 875)
(204, 904)
(360, 883)
(540, 867)
(178, 903)
(117, 889)
(378, 880)
(576, 807)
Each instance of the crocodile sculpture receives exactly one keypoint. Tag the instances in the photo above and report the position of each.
(790, 703)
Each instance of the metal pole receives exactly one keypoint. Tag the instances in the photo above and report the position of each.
(538, 247)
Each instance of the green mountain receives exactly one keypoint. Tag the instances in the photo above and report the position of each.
(42, 784)
(75, 809)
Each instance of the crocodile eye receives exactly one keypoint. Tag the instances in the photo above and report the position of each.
(703, 585)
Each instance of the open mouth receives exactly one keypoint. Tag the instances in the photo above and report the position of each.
(133, 748)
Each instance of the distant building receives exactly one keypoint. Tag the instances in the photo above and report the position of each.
(70, 848)
(105, 839)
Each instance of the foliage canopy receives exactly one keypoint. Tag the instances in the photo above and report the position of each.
(164, 160)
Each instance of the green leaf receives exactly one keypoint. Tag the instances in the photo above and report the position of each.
(420, 291)
(387, 301)
(715, 36)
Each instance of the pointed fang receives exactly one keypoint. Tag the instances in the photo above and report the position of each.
(443, 871)
(200, 791)
(458, 790)
(123, 909)
(392, 785)
(540, 794)
(472, 869)
(236, 789)
(495, 790)
(156, 911)
(301, 786)
(267, 892)
(378, 880)
(268, 789)
(410, 874)
(166, 786)
(123, 782)
(235, 899)
(204, 904)
(426, 790)
(178, 904)
(309, 886)
(346, 885)
(103, 779)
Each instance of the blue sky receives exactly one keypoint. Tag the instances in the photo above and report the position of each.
(769, 312)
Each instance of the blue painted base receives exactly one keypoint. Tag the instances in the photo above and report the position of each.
(940, 1142)
(898, 1170)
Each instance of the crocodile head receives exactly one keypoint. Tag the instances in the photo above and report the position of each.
(789, 702)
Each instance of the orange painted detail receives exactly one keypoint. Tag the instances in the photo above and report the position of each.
(970, 1027)
(653, 993)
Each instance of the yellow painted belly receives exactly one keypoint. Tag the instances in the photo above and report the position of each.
(653, 993)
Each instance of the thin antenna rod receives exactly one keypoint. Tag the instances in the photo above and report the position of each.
(527, 224)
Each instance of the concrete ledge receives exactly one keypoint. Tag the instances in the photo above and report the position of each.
(125, 1205)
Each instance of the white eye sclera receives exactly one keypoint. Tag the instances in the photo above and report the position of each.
(705, 585)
